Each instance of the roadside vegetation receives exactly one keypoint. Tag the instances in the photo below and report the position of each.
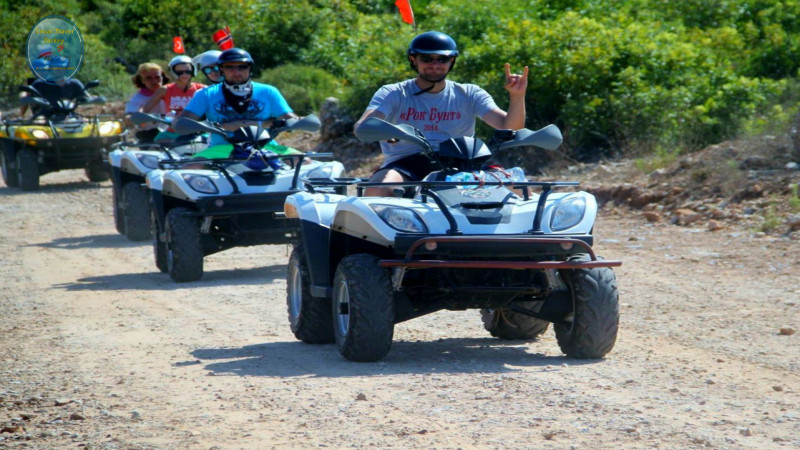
(620, 78)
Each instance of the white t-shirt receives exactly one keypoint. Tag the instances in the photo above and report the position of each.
(136, 103)
(440, 116)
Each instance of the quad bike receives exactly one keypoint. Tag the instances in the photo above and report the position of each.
(470, 238)
(130, 163)
(204, 206)
(56, 138)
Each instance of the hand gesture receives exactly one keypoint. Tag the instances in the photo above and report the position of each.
(515, 83)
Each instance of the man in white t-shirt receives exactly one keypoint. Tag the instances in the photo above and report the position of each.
(439, 108)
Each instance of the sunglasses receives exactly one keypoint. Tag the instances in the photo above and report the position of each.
(240, 68)
(208, 70)
(183, 72)
(428, 59)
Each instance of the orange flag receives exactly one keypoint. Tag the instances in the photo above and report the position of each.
(177, 45)
(405, 11)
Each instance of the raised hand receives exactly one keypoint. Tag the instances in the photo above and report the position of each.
(516, 84)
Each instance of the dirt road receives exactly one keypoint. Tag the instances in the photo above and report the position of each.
(100, 350)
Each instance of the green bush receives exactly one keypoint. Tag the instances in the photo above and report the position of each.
(304, 87)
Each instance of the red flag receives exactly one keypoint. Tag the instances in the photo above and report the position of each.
(405, 11)
(177, 45)
(223, 38)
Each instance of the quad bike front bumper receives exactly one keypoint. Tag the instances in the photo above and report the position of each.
(494, 252)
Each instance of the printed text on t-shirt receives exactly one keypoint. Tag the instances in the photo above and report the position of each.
(434, 115)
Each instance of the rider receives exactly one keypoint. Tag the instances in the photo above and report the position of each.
(440, 108)
(235, 102)
(148, 78)
(206, 62)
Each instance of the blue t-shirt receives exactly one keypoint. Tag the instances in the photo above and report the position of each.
(266, 103)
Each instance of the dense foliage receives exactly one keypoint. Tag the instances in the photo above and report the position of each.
(615, 75)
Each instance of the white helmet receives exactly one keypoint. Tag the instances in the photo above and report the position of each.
(206, 59)
(181, 59)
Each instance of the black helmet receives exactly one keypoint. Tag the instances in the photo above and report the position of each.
(235, 55)
(433, 42)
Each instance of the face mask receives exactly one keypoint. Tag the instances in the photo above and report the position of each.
(240, 90)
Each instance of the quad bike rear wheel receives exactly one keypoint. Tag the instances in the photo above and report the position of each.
(27, 170)
(184, 253)
(8, 167)
(511, 325)
(309, 317)
(159, 247)
(136, 211)
(592, 328)
(363, 308)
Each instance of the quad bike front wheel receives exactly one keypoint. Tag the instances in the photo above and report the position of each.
(511, 325)
(591, 331)
(309, 317)
(136, 211)
(363, 308)
(27, 170)
(159, 247)
(8, 167)
(97, 171)
(184, 253)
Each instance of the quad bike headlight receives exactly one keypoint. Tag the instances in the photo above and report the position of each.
(320, 172)
(149, 161)
(568, 213)
(40, 134)
(401, 219)
(107, 128)
(200, 183)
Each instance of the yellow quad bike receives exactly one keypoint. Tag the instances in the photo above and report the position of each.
(56, 137)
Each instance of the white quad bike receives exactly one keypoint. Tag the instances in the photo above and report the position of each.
(204, 206)
(130, 163)
(363, 264)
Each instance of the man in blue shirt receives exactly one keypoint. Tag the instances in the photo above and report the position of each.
(237, 101)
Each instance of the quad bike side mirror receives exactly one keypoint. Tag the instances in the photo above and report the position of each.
(548, 138)
(38, 101)
(374, 129)
(95, 100)
(30, 90)
(138, 118)
(91, 84)
(185, 125)
(308, 123)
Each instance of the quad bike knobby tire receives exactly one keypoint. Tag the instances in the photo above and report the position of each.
(27, 170)
(136, 211)
(184, 253)
(159, 247)
(97, 171)
(592, 331)
(510, 325)
(309, 317)
(8, 167)
(363, 308)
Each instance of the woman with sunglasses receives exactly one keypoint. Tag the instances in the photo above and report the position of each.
(176, 95)
(148, 78)
(207, 63)
(440, 108)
